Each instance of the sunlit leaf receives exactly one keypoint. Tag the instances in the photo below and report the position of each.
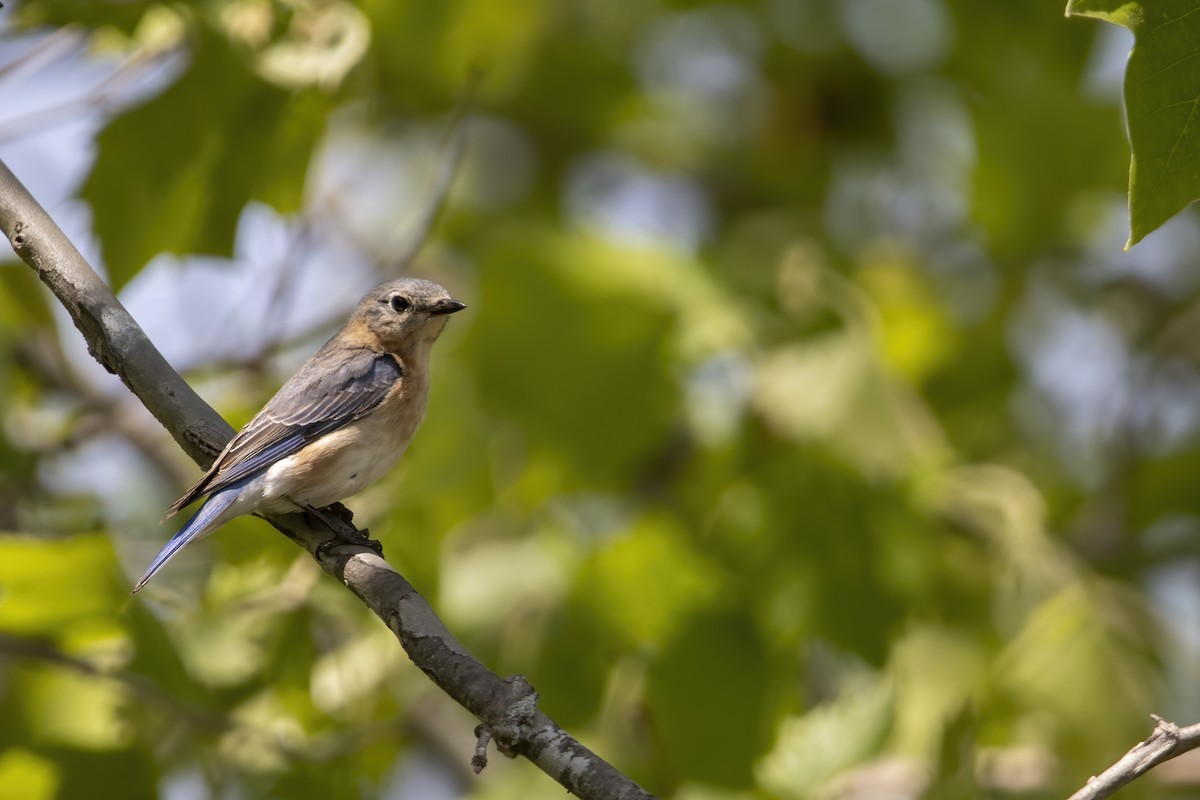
(349, 673)
(76, 710)
(32, 572)
(915, 337)
(1078, 645)
(832, 389)
(491, 581)
(629, 586)
(24, 775)
(262, 716)
(1162, 96)
(814, 747)
(226, 642)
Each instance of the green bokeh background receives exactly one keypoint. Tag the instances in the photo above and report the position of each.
(808, 433)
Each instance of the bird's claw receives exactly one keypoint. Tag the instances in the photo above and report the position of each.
(359, 539)
(339, 511)
(337, 520)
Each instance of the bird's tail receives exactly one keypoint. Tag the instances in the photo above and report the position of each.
(207, 519)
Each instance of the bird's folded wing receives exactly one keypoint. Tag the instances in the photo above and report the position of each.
(327, 393)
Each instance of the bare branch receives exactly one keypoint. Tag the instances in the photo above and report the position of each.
(48, 49)
(104, 96)
(1167, 741)
(116, 341)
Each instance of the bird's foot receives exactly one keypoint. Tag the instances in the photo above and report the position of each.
(337, 519)
(341, 512)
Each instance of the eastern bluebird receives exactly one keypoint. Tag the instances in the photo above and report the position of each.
(336, 426)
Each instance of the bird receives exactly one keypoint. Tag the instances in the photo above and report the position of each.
(336, 426)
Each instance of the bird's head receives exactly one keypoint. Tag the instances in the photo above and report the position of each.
(404, 313)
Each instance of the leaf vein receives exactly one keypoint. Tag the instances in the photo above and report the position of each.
(1167, 107)
(1180, 18)
(1171, 155)
(1170, 66)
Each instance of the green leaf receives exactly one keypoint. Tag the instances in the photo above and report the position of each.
(814, 747)
(76, 710)
(1078, 645)
(629, 588)
(588, 388)
(24, 774)
(1127, 14)
(32, 572)
(1162, 103)
(174, 174)
(711, 699)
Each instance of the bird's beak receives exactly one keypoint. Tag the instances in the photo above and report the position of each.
(447, 307)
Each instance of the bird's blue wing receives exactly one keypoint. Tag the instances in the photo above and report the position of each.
(337, 386)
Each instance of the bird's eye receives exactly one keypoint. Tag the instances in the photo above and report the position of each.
(400, 303)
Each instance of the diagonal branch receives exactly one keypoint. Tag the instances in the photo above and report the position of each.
(507, 706)
(1167, 741)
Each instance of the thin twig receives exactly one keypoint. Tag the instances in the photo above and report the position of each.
(48, 49)
(483, 735)
(1167, 741)
(396, 257)
(101, 97)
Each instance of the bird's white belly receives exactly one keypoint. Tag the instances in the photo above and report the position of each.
(335, 466)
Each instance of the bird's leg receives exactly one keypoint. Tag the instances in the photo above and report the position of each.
(337, 519)
(341, 512)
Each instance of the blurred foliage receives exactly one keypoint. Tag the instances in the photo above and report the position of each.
(807, 435)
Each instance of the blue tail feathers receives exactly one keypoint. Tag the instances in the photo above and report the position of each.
(202, 522)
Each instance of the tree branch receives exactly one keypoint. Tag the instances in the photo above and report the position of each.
(507, 706)
(1167, 741)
